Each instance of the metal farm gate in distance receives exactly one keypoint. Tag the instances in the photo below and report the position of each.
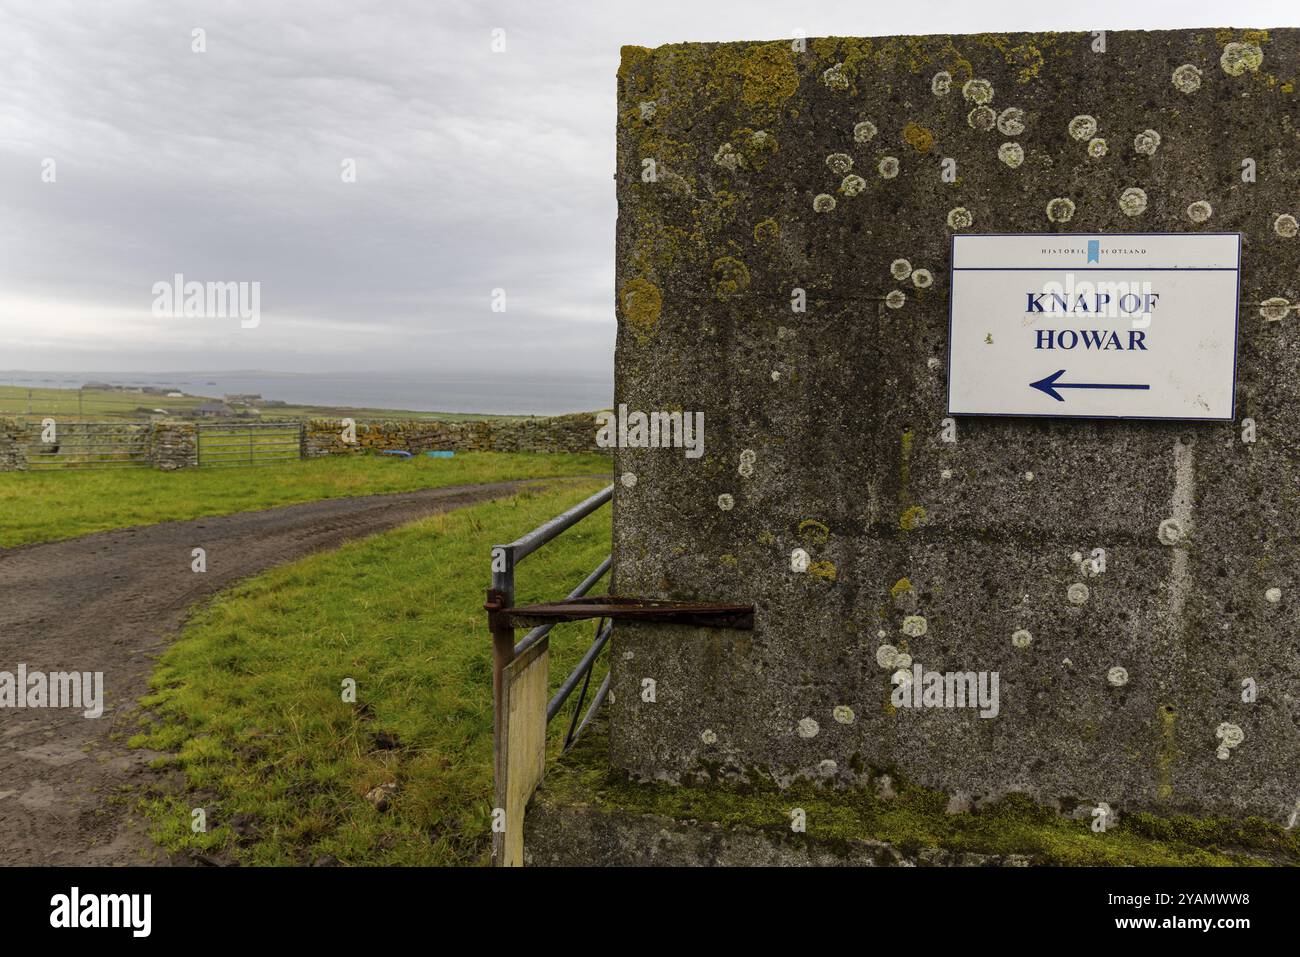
(248, 443)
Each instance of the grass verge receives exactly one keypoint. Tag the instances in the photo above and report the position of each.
(47, 506)
(249, 700)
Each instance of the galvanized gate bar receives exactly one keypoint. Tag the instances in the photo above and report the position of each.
(578, 592)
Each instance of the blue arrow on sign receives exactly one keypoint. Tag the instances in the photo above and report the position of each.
(1049, 385)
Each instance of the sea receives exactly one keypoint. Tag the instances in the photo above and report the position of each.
(525, 394)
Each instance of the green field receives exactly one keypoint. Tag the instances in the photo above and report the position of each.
(43, 506)
(249, 697)
(101, 404)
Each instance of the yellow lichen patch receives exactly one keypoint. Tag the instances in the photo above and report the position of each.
(767, 231)
(768, 74)
(901, 586)
(823, 570)
(729, 560)
(814, 532)
(1168, 750)
(730, 277)
(912, 518)
(633, 59)
(1254, 36)
(642, 303)
(918, 137)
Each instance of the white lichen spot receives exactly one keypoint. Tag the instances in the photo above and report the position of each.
(1273, 595)
(1060, 209)
(1117, 676)
(852, 185)
(1286, 226)
(1200, 211)
(1077, 593)
(728, 158)
(843, 714)
(933, 362)
(1097, 147)
(1133, 201)
(900, 269)
(1275, 309)
(886, 655)
(1011, 121)
(960, 218)
(895, 299)
(834, 77)
(888, 167)
(628, 479)
(1237, 58)
(945, 474)
(726, 502)
(798, 560)
(922, 279)
(1187, 78)
(808, 728)
(748, 455)
(839, 163)
(648, 108)
(1013, 154)
(982, 118)
(823, 203)
(1147, 142)
(903, 660)
(864, 132)
(1229, 735)
(1171, 532)
(1021, 638)
(941, 83)
(708, 736)
(914, 626)
(746, 469)
(978, 91)
(1083, 127)
(775, 375)
(826, 767)
(1029, 476)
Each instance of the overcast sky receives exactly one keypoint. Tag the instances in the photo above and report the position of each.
(474, 170)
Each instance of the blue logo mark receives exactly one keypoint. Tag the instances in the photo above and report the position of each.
(1094, 251)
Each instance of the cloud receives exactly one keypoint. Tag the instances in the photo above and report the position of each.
(475, 170)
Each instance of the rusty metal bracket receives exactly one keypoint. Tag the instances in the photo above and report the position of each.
(621, 608)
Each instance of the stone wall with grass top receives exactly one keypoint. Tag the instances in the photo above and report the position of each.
(1136, 585)
(560, 433)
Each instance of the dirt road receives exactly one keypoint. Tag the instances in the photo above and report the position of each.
(109, 602)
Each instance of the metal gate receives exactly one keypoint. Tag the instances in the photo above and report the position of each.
(86, 445)
(249, 443)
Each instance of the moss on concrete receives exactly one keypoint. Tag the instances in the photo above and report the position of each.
(915, 819)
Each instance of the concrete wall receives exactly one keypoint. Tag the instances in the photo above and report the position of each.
(561, 433)
(824, 428)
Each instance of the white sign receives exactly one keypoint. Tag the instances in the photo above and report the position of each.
(1121, 325)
